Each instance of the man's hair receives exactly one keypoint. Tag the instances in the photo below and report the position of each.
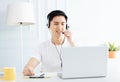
(54, 13)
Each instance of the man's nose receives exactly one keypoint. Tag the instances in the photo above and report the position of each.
(60, 26)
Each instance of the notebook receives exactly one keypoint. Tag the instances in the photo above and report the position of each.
(84, 62)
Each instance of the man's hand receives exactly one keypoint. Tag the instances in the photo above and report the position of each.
(30, 66)
(28, 71)
(68, 35)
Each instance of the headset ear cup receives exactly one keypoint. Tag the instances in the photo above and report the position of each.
(48, 21)
(48, 25)
(67, 27)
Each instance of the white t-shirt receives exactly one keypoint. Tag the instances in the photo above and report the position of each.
(49, 56)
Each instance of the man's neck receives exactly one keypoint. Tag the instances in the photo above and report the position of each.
(56, 41)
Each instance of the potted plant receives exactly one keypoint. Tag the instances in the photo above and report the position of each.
(112, 49)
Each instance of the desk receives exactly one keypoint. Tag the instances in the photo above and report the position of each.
(113, 75)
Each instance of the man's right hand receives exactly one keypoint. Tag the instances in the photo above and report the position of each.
(30, 66)
(28, 71)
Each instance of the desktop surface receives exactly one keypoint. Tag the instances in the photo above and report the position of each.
(113, 75)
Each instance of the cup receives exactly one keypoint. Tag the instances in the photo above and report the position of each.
(9, 73)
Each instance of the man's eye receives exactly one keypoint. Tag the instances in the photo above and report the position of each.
(55, 24)
(63, 24)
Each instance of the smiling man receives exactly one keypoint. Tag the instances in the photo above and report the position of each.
(48, 53)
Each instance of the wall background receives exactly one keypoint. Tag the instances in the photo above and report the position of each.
(96, 21)
(91, 21)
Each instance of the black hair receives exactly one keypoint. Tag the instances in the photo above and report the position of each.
(54, 13)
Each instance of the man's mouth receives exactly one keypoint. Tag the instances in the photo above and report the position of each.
(59, 32)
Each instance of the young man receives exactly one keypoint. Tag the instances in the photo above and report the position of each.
(49, 52)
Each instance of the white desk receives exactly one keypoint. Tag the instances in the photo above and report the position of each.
(112, 76)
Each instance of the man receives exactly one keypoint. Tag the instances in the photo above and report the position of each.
(49, 52)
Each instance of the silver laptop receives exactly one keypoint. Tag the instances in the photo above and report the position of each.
(84, 62)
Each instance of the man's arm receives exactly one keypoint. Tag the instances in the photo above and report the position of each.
(30, 66)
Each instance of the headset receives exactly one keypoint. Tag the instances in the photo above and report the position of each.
(56, 13)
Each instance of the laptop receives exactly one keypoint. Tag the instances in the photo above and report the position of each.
(84, 62)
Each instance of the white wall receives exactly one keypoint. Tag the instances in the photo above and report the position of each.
(94, 21)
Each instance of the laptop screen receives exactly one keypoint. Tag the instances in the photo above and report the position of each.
(85, 61)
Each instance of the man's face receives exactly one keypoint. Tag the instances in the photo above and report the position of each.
(57, 26)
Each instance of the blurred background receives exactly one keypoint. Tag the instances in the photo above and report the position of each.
(92, 22)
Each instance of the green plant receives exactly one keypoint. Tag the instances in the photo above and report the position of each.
(113, 47)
